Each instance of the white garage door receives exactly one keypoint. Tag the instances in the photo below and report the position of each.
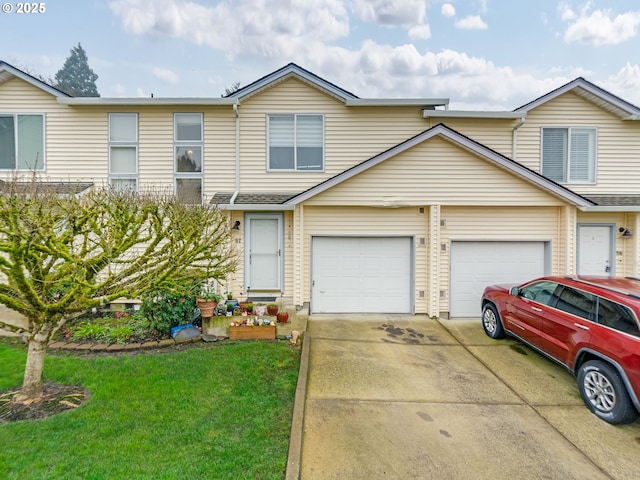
(474, 265)
(361, 275)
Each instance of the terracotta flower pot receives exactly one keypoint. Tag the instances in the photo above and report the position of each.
(272, 310)
(283, 317)
(207, 307)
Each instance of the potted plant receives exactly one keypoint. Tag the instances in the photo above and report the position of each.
(283, 317)
(260, 309)
(249, 308)
(229, 296)
(207, 300)
(272, 309)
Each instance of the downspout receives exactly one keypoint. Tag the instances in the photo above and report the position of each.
(237, 190)
(514, 148)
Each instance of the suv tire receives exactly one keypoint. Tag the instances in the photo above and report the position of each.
(491, 321)
(604, 393)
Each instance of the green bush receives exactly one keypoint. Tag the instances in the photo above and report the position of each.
(165, 309)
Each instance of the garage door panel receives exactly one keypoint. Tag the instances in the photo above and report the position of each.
(474, 265)
(363, 275)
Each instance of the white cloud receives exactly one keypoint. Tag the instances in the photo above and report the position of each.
(599, 28)
(391, 12)
(166, 75)
(625, 83)
(420, 32)
(472, 22)
(120, 90)
(271, 29)
(448, 10)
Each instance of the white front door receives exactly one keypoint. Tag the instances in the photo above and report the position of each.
(594, 250)
(263, 254)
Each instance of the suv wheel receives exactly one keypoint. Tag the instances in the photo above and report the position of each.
(604, 393)
(491, 321)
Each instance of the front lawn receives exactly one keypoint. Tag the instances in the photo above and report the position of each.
(209, 411)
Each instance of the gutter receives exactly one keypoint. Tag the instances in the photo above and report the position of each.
(514, 143)
(237, 190)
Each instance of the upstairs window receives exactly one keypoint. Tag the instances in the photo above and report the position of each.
(123, 150)
(296, 142)
(21, 142)
(188, 143)
(569, 154)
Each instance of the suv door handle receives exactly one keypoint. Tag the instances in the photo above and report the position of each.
(583, 327)
(536, 309)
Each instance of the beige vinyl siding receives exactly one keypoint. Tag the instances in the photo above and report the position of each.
(352, 134)
(494, 133)
(435, 171)
(354, 221)
(618, 143)
(77, 139)
(498, 224)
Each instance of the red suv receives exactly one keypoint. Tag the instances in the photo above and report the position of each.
(588, 324)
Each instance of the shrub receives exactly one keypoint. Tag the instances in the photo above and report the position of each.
(165, 309)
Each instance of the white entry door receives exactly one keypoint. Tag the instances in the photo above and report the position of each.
(594, 250)
(263, 254)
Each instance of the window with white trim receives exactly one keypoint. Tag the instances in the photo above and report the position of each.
(21, 141)
(295, 142)
(569, 154)
(188, 144)
(123, 150)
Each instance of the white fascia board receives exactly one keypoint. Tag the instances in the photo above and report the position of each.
(256, 207)
(397, 102)
(472, 114)
(96, 101)
(610, 208)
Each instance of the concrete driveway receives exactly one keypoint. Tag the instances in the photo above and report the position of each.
(409, 397)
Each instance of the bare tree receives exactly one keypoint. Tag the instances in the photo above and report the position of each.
(61, 255)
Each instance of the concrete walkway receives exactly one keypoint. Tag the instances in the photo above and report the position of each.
(409, 397)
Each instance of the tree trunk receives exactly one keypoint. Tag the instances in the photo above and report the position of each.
(32, 383)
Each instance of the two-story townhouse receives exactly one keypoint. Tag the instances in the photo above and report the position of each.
(361, 205)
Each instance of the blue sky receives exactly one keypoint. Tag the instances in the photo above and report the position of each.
(482, 54)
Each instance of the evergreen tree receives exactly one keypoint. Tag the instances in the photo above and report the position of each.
(76, 77)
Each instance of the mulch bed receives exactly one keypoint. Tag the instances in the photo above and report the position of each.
(55, 399)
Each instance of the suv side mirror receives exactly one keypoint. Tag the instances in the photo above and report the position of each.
(515, 291)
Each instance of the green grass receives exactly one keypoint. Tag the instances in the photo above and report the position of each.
(219, 411)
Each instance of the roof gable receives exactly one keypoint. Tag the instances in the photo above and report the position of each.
(441, 130)
(591, 93)
(288, 71)
(7, 72)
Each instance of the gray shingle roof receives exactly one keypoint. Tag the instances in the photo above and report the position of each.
(615, 200)
(251, 198)
(60, 188)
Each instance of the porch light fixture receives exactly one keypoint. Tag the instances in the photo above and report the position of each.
(624, 232)
(236, 226)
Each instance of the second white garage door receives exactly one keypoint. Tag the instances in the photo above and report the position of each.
(474, 265)
(361, 275)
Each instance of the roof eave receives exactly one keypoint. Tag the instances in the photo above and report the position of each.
(97, 101)
(473, 114)
(394, 102)
(255, 207)
(32, 80)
